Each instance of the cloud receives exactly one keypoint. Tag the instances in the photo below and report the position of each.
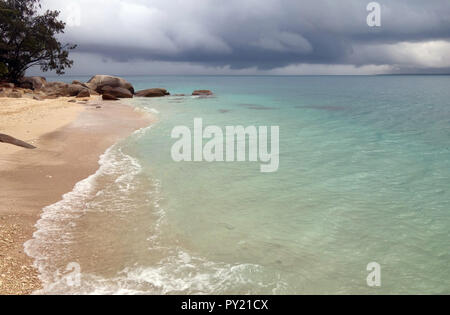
(431, 54)
(94, 63)
(266, 35)
(284, 42)
(325, 69)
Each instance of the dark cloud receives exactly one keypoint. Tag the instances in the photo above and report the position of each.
(262, 34)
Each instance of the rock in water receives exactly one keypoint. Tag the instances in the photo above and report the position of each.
(153, 93)
(202, 93)
(97, 82)
(14, 141)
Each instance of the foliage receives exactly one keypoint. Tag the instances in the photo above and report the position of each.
(28, 38)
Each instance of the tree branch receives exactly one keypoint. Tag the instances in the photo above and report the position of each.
(14, 141)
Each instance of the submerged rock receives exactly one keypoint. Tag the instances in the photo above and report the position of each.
(202, 93)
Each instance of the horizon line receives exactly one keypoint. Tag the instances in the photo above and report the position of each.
(252, 75)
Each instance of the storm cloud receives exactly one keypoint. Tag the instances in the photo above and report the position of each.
(256, 36)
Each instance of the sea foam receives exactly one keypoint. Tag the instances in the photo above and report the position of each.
(56, 221)
(177, 272)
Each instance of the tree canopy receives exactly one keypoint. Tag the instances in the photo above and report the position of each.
(29, 38)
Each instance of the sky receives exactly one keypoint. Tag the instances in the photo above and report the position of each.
(255, 37)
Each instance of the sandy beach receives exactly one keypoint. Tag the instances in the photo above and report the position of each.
(70, 137)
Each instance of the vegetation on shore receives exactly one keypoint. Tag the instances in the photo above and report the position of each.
(28, 39)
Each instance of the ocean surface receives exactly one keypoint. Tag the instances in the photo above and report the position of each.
(364, 177)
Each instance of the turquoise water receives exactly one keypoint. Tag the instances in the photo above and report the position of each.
(364, 177)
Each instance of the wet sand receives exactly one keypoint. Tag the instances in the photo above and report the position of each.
(69, 138)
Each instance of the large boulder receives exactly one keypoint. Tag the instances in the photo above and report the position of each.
(152, 93)
(76, 82)
(98, 82)
(74, 89)
(84, 93)
(56, 89)
(60, 89)
(117, 92)
(91, 92)
(202, 93)
(32, 83)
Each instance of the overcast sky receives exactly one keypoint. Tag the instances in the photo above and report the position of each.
(291, 37)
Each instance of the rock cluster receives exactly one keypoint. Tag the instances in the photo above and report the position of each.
(39, 88)
(110, 87)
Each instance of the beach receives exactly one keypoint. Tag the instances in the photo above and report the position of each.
(70, 137)
(353, 188)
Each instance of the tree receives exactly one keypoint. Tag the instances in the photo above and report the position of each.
(3, 69)
(28, 39)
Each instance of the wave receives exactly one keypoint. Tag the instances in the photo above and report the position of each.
(53, 233)
(178, 274)
(116, 187)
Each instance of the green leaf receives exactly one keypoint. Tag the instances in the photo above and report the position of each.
(29, 38)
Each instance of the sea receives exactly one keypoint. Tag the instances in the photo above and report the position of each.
(363, 181)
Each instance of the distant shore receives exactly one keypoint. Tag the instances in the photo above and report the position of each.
(70, 137)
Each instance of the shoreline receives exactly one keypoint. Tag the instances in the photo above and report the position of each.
(68, 152)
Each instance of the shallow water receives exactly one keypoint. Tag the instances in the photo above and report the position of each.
(364, 177)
